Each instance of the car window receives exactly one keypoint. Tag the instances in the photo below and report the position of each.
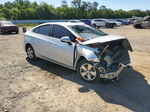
(36, 30)
(59, 31)
(44, 30)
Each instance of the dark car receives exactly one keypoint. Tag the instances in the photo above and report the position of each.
(8, 27)
(86, 21)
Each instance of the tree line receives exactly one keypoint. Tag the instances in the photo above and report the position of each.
(79, 9)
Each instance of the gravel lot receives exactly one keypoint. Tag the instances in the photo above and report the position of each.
(41, 86)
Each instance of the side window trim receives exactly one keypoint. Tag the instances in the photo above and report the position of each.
(51, 30)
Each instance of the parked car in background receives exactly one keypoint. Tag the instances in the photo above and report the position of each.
(102, 23)
(142, 23)
(8, 27)
(123, 22)
(131, 20)
(117, 23)
(93, 53)
(86, 21)
(74, 21)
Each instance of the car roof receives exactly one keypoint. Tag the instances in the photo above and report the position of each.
(63, 23)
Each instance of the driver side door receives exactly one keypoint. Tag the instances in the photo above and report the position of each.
(64, 51)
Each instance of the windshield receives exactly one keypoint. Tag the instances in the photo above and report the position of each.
(87, 32)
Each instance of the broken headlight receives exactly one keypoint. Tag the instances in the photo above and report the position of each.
(97, 54)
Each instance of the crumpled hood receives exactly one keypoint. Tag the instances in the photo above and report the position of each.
(103, 39)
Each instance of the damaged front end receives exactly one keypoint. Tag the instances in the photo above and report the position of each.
(112, 57)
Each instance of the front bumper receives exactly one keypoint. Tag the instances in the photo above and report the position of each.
(113, 75)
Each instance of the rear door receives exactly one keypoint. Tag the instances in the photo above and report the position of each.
(44, 43)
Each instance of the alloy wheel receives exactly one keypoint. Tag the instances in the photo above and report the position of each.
(30, 53)
(88, 72)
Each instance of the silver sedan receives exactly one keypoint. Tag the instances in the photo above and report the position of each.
(91, 52)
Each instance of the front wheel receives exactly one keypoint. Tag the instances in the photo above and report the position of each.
(87, 71)
(30, 52)
(17, 32)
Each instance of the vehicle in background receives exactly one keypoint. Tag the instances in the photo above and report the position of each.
(97, 23)
(117, 23)
(74, 21)
(91, 52)
(8, 27)
(144, 23)
(123, 21)
(86, 21)
(131, 20)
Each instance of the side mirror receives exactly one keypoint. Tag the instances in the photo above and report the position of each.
(66, 39)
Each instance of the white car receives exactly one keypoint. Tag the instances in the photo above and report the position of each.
(118, 23)
(93, 53)
(102, 23)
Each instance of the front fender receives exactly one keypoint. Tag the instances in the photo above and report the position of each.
(87, 53)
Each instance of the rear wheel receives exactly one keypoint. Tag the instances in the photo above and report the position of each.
(87, 71)
(17, 32)
(1, 31)
(30, 52)
(138, 26)
(107, 26)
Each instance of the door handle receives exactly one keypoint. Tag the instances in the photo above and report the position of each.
(52, 43)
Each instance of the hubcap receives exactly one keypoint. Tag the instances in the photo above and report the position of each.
(30, 53)
(88, 72)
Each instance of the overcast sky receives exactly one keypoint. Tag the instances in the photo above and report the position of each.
(113, 4)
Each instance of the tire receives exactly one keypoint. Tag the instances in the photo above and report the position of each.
(2, 32)
(112, 26)
(30, 52)
(87, 72)
(17, 32)
(93, 25)
(138, 26)
(107, 26)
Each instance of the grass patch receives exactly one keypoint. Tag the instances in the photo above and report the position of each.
(2, 18)
(27, 25)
